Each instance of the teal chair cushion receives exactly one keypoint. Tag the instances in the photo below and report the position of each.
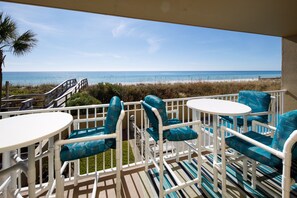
(154, 133)
(252, 151)
(113, 114)
(258, 101)
(84, 149)
(286, 126)
(181, 134)
(249, 120)
(159, 104)
(89, 148)
(177, 134)
(173, 121)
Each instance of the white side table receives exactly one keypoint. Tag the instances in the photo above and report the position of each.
(217, 107)
(25, 131)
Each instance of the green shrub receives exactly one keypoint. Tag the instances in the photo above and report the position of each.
(105, 91)
(80, 99)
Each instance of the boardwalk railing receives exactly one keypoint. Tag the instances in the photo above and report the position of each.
(133, 137)
(59, 90)
(61, 101)
(57, 97)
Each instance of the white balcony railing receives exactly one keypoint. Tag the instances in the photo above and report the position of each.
(133, 138)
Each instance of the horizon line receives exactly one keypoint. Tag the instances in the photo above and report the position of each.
(149, 71)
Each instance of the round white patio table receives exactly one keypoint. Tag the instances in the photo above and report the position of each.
(217, 107)
(26, 130)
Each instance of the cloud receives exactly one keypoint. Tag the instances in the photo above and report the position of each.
(123, 29)
(154, 44)
(40, 26)
(127, 30)
(119, 30)
(27, 16)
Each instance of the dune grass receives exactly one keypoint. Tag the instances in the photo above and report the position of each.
(136, 92)
(104, 91)
(28, 89)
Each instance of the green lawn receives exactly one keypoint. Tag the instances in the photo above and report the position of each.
(107, 156)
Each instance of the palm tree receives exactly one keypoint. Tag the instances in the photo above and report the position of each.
(12, 42)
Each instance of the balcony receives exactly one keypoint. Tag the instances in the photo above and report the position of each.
(135, 181)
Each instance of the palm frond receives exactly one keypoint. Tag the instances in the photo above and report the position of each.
(7, 29)
(24, 43)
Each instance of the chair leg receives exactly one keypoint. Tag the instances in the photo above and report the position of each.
(286, 178)
(199, 160)
(254, 175)
(59, 177)
(177, 151)
(118, 169)
(244, 167)
(161, 173)
(146, 151)
(76, 172)
(223, 168)
(189, 154)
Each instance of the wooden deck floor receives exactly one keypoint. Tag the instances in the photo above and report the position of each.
(137, 183)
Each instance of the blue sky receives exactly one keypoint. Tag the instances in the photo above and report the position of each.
(78, 41)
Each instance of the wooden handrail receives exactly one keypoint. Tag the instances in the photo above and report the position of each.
(49, 99)
(59, 90)
(58, 102)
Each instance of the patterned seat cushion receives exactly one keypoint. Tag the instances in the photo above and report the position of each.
(249, 120)
(252, 151)
(258, 101)
(177, 134)
(173, 121)
(154, 133)
(113, 114)
(181, 134)
(89, 148)
(286, 126)
(159, 104)
(84, 149)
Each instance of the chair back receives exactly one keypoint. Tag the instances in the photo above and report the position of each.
(159, 104)
(286, 126)
(112, 117)
(258, 101)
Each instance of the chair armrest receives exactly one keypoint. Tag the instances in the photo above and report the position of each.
(290, 142)
(173, 126)
(85, 139)
(252, 141)
(260, 113)
(257, 123)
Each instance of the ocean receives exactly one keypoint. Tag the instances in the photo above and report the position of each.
(133, 77)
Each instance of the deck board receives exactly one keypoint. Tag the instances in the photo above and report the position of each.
(137, 183)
